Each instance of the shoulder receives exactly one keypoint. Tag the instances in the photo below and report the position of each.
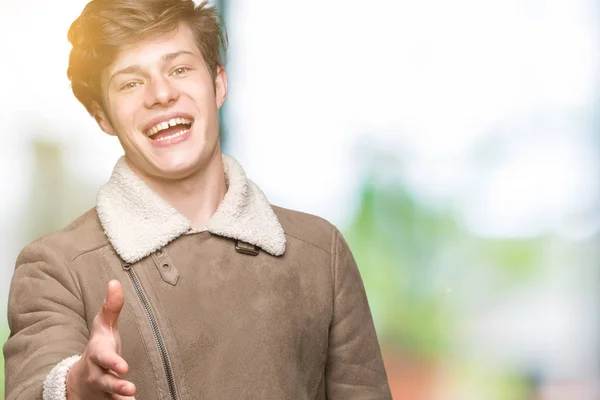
(308, 228)
(83, 235)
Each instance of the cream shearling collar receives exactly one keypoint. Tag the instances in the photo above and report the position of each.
(137, 221)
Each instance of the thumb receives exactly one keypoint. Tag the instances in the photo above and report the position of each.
(115, 298)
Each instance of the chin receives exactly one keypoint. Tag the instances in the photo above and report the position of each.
(178, 168)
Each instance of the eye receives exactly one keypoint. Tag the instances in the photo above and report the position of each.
(180, 71)
(130, 85)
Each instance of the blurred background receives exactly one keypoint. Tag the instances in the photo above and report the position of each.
(456, 145)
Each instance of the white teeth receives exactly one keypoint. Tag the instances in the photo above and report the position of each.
(172, 136)
(166, 124)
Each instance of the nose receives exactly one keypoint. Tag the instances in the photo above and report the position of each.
(160, 92)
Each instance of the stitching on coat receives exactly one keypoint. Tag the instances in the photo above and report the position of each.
(334, 260)
(307, 242)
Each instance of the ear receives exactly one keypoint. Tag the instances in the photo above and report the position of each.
(220, 86)
(102, 119)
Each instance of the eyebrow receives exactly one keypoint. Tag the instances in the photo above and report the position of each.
(136, 68)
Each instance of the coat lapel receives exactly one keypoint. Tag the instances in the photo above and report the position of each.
(138, 222)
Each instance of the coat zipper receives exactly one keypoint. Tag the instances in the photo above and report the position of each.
(154, 325)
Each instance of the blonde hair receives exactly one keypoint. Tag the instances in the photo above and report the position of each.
(106, 25)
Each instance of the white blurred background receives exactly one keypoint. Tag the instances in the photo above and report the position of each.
(466, 133)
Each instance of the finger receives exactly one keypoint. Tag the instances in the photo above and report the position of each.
(118, 397)
(109, 360)
(109, 383)
(115, 298)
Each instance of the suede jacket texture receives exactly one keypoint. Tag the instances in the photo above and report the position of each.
(264, 303)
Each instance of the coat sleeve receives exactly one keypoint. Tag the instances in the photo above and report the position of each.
(354, 369)
(47, 325)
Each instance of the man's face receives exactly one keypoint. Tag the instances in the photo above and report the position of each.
(162, 103)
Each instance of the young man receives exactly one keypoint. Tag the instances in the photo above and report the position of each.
(183, 282)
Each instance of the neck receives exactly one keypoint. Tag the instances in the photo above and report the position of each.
(197, 196)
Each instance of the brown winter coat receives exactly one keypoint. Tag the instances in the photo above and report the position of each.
(265, 303)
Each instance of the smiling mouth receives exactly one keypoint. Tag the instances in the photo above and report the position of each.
(170, 129)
